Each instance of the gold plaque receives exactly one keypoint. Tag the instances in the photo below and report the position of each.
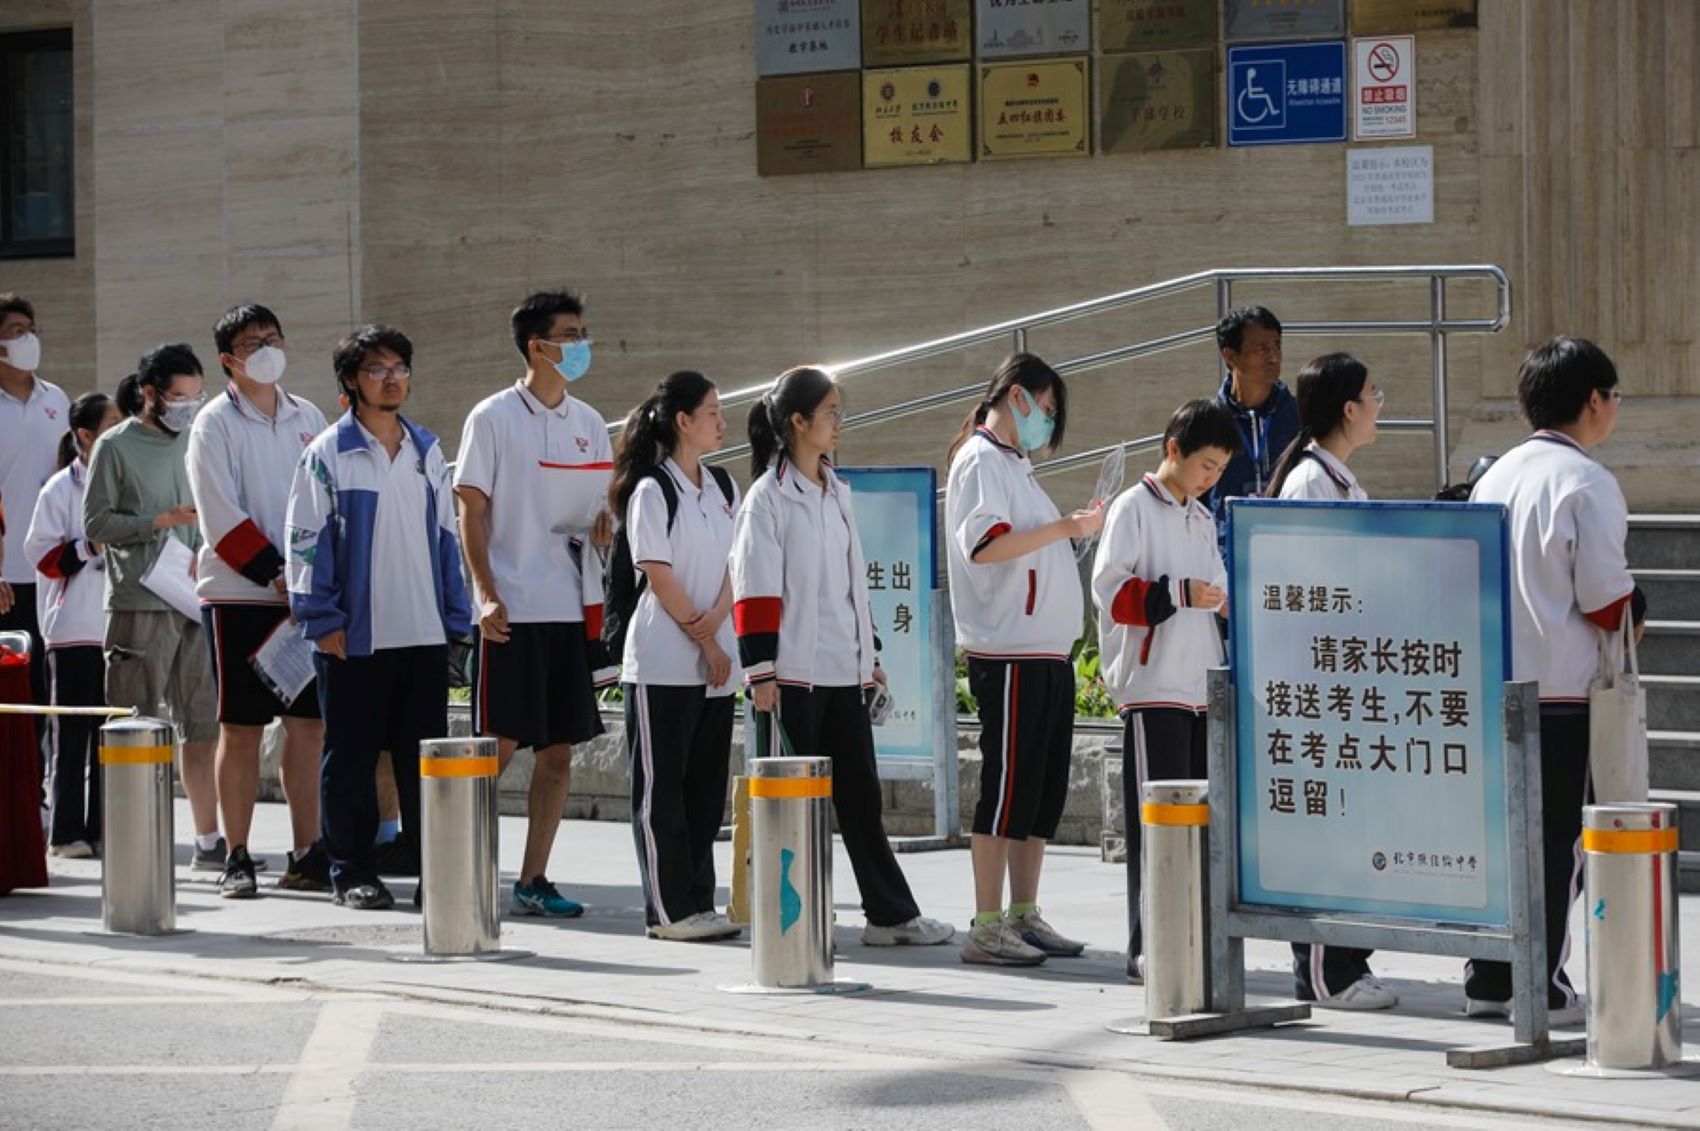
(1147, 25)
(1157, 100)
(1034, 109)
(901, 32)
(808, 124)
(916, 116)
(1387, 17)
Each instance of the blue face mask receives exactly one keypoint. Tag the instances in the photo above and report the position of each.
(1033, 427)
(575, 360)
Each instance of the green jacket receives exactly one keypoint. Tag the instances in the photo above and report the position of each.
(136, 473)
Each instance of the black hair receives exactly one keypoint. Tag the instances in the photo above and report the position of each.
(1326, 385)
(1032, 375)
(1557, 378)
(237, 319)
(128, 395)
(13, 303)
(160, 364)
(1230, 331)
(86, 412)
(531, 318)
(352, 351)
(650, 434)
(799, 390)
(1202, 424)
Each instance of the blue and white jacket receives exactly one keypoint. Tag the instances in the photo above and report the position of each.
(333, 510)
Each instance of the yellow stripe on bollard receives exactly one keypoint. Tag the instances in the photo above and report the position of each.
(459, 767)
(1174, 815)
(134, 755)
(1629, 841)
(790, 787)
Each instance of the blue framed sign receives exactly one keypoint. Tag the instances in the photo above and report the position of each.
(897, 522)
(1287, 93)
(1370, 648)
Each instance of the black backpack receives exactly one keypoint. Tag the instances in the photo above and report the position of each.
(622, 582)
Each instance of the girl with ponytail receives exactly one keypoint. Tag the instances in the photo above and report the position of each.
(69, 597)
(800, 592)
(1338, 409)
(675, 514)
(1018, 607)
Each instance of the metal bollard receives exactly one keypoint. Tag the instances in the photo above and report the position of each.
(1177, 944)
(791, 882)
(138, 885)
(458, 870)
(1634, 960)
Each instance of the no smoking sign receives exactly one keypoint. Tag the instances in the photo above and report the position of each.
(1384, 88)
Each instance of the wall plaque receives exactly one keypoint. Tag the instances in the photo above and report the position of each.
(808, 124)
(900, 32)
(1285, 19)
(917, 116)
(1008, 28)
(1037, 108)
(1157, 100)
(1386, 17)
(1144, 25)
(800, 36)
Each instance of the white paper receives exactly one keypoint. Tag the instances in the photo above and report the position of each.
(171, 578)
(1390, 186)
(575, 494)
(284, 662)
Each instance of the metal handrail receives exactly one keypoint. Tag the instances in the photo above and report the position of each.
(1437, 326)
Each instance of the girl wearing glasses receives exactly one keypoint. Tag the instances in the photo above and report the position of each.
(1018, 606)
(1338, 409)
(805, 636)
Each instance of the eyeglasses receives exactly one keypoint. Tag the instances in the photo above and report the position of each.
(1615, 394)
(250, 345)
(569, 337)
(1379, 397)
(385, 372)
(836, 415)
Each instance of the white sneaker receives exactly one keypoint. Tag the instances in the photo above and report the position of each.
(1136, 971)
(1037, 933)
(1365, 993)
(704, 926)
(76, 850)
(998, 944)
(919, 931)
(1558, 1017)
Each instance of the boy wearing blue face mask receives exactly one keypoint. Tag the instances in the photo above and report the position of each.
(532, 480)
(1017, 603)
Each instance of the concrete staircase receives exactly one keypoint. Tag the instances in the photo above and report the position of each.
(1664, 555)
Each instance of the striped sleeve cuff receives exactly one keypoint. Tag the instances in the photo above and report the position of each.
(249, 553)
(62, 561)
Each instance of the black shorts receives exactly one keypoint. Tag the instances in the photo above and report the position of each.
(234, 633)
(536, 689)
(1026, 740)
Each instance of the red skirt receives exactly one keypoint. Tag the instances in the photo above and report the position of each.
(23, 849)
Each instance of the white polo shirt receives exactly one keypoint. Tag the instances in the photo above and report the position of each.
(838, 647)
(1318, 475)
(404, 594)
(545, 471)
(657, 650)
(29, 455)
(1569, 523)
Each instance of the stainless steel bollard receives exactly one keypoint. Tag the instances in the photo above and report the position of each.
(1177, 945)
(138, 885)
(791, 883)
(458, 870)
(1634, 959)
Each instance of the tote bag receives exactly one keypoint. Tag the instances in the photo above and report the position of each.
(1617, 722)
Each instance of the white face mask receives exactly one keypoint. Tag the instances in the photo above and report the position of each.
(23, 352)
(265, 365)
(176, 416)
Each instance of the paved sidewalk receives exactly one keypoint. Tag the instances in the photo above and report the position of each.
(923, 1000)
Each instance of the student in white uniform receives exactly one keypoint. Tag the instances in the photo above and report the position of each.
(1018, 607)
(539, 659)
(1338, 409)
(1158, 584)
(70, 578)
(677, 669)
(800, 610)
(1569, 583)
(243, 448)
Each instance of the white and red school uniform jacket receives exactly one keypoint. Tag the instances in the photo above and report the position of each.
(777, 576)
(70, 592)
(1027, 608)
(1156, 648)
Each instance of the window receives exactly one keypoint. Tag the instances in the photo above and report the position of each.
(36, 140)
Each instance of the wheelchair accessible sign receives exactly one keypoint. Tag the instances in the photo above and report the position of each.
(1287, 93)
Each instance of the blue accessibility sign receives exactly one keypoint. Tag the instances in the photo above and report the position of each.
(1286, 93)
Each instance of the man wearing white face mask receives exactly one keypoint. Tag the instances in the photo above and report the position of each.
(242, 454)
(136, 498)
(33, 415)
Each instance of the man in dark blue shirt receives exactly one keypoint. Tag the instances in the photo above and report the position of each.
(1267, 414)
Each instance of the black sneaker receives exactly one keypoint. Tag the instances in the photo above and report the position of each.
(210, 859)
(310, 871)
(392, 858)
(238, 881)
(369, 896)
